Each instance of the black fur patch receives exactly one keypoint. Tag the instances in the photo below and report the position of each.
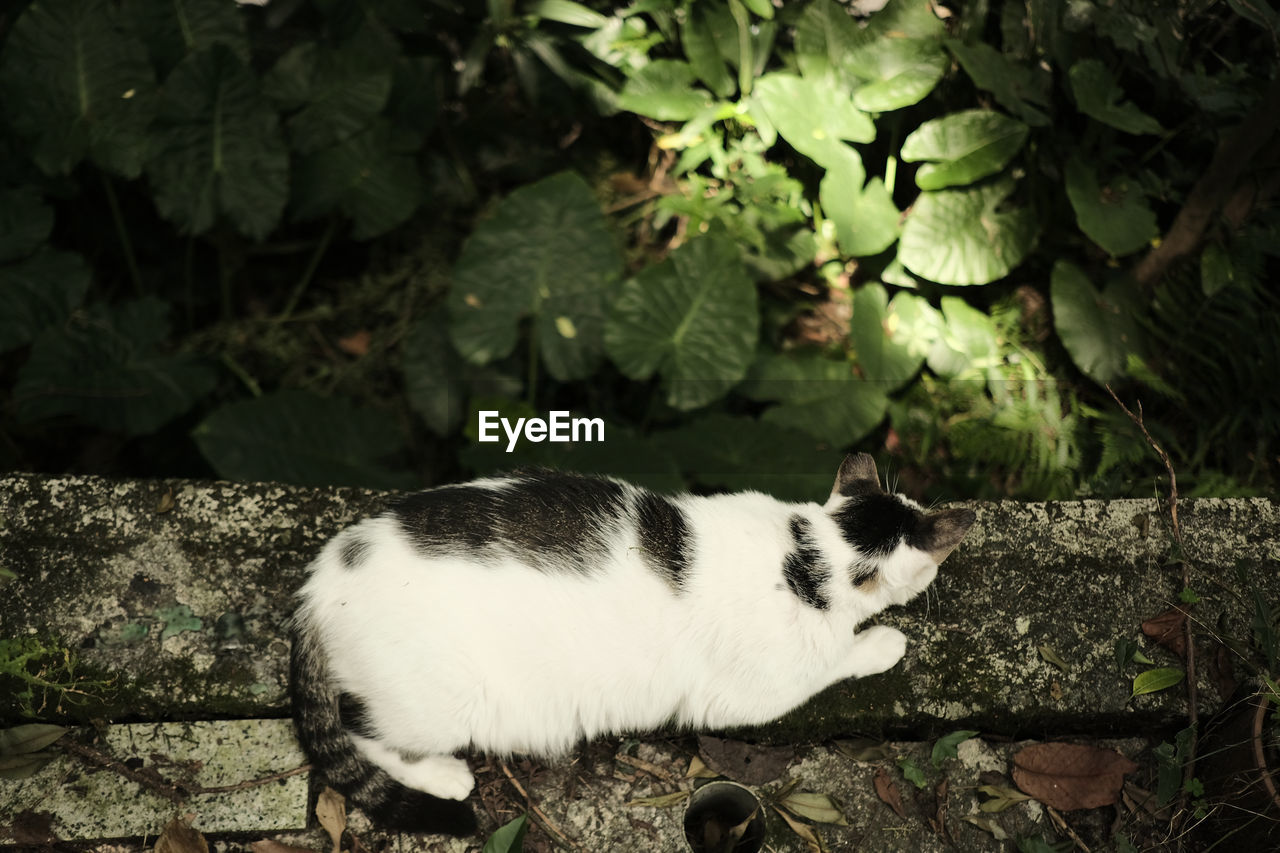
(664, 537)
(551, 519)
(804, 568)
(354, 551)
(875, 524)
(354, 716)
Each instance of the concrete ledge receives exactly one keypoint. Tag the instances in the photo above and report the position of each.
(180, 590)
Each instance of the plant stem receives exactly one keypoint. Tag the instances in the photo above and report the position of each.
(243, 375)
(312, 265)
(126, 245)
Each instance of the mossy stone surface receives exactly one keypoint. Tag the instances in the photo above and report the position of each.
(183, 590)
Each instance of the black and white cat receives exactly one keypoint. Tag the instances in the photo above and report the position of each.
(524, 613)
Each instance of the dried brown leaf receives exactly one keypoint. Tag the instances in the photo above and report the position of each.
(988, 825)
(1002, 797)
(1168, 629)
(661, 801)
(179, 837)
(806, 832)
(356, 343)
(887, 791)
(864, 749)
(698, 769)
(744, 762)
(28, 738)
(331, 811)
(1071, 776)
(815, 807)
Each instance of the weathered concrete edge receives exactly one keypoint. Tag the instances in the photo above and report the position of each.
(183, 589)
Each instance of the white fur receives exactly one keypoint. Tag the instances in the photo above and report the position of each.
(449, 654)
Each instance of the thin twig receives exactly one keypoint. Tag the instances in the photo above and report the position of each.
(146, 777)
(249, 783)
(537, 812)
(1193, 690)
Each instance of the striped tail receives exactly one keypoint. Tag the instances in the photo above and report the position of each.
(388, 803)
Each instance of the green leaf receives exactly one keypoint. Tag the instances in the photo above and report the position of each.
(1098, 95)
(432, 373)
(966, 342)
(1017, 88)
(817, 395)
(721, 451)
(508, 838)
(898, 54)
(24, 766)
(692, 319)
(946, 746)
(664, 90)
(823, 32)
(546, 253)
(891, 338)
(1154, 680)
(705, 57)
(1126, 648)
(176, 28)
(568, 12)
(335, 93)
(219, 150)
(76, 82)
(105, 366)
(25, 223)
(29, 738)
(865, 218)
(364, 178)
(1099, 330)
(966, 236)
(966, 146)
(812, 117)
(912, 772)
(1116, 216)
(1221, 269)
(905, 72)
(297, 437)
(39, 292)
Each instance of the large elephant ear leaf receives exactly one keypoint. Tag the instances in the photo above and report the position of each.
(692, 319)
(219, 148)
(546, 254)
(75, 83)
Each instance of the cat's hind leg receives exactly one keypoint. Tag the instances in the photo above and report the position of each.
(439, 775)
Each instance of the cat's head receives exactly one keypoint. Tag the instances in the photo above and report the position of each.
(899, 544)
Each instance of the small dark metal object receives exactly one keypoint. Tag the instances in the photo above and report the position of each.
(724, 817)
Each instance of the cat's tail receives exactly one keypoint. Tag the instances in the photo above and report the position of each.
(324, 738)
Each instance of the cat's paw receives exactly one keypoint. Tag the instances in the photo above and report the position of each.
(439, 775)
(877, 649)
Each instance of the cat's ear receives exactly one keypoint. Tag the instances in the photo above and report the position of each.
(857, 476)
(940, 532)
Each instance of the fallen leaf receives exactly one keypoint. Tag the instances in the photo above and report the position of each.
(947, 745)
(939, 820)
(698, 769)
(815, 807)
(1168, 630)
(661, 801)
(1071, 776)
(1048, 655)
(356, 343)
(33, 828)
(912, 772)
(744, 762)
(33, 737)
(863, 749)
(166, 502)
(23, 766)
(266, 845)
(1002, 797)
(1155, 680)
(988, 825)
(331, 811)
(806, 832)
(179, 837)
(887, 791)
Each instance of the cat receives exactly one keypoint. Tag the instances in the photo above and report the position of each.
(521, 614)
